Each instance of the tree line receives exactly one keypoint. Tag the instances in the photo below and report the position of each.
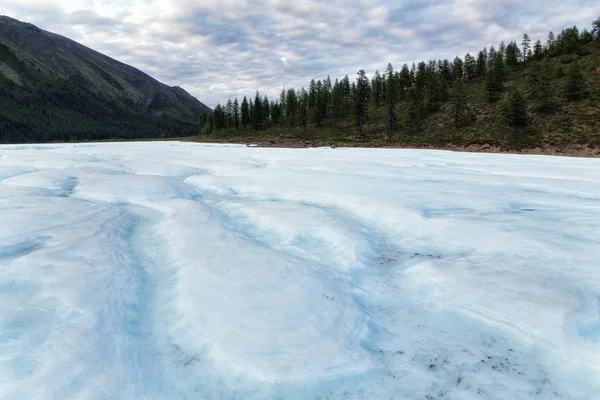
(421, 90)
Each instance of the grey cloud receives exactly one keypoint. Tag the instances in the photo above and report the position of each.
(231, 50)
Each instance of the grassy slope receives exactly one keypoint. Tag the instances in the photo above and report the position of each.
(572, 124)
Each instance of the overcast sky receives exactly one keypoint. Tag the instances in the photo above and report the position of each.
(220, 49)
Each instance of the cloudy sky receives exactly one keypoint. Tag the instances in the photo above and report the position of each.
(219, 49)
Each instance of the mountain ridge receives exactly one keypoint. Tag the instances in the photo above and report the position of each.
(114, 100)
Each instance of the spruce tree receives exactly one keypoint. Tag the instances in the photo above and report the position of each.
(275, 112)
(514, 110)
(494, 82)
(445, 70)
(229, 115)
(481, 63)
(390, 99)
(551, 43)
(291, 107)
(458, 68)
(361, 100)
(337, 103)
(575, 88)
(458, 97)
(236, 114)
(413, 116)
(266, 109)
(245, 111)
(257, 112)
(513, 54)
(433, 92)
(327, 92)
(596, 28)
(538, 50)
(303, 100)
(312, 94)
(405, 81)
(586, 36)
(526, 43)
(470, 67)
(347, 90)
(282, 105)
(377, 84)
(541, 87)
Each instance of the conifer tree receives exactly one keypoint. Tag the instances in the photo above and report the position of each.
(413, 111)
(327, 89)
(282, 103)
(433, 92)
(275, 112)
(245, 111)
(405, 81)
(526, 43)
(303, 100)
(596, 28)
(229, 115)
(458, 68)
(445, 70)
(236, 114)
(458, 97)
(257, 112)
(251, 112)
(337, 103)
(312, 94)
(575, 88)
(481, 63)
(377, 85)
(494, 82)
(470, 67)
(513, 54)
(266, 109)
(538, 50)
(551, 43)
(540, 83)
(291, 107)
(514, 110)
(391, 96)
(347, 90)
(362, 100)
(586, 36)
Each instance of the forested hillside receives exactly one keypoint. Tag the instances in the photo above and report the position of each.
(54, 89)
(516, 95)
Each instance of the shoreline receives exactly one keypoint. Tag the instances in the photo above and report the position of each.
(581, 151)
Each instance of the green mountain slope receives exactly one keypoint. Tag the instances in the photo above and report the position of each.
(52, 88)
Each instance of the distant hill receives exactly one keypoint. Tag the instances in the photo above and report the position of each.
(55, 89)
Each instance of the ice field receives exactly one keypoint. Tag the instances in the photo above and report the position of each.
(187, 271)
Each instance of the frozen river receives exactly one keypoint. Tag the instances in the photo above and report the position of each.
(187, 271)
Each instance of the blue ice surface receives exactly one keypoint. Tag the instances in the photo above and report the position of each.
(184, 271)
